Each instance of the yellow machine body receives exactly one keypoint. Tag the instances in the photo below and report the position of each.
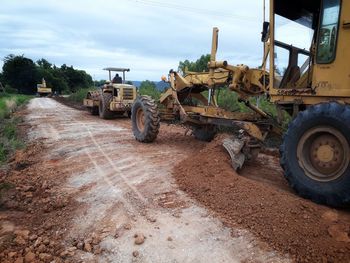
(327, 77)
(42, 89)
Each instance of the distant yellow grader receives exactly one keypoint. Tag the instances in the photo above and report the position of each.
(314, 88)
(43, 90)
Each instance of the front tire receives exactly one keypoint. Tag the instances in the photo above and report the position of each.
(104, 112)
(145, 119)
(315, 154)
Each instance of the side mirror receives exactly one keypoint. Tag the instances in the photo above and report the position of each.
(265, 32)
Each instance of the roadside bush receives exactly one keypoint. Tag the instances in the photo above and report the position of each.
(9, 102)
(9, 141)
(79, 95)
(149, 88)
(10, 90)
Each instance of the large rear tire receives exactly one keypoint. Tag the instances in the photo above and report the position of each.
(205, 133)
(145, 119)
(315, 154)
(103, 109)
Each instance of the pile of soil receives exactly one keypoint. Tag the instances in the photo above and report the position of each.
(289, 224)
(32, 212)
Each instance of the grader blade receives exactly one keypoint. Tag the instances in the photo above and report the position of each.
(234, 148)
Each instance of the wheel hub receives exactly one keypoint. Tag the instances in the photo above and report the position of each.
(326, 152)
(140, 119)
(323, 153)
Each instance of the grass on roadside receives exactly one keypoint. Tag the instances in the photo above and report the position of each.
(79, 96)
(9, 102)
(9, 141)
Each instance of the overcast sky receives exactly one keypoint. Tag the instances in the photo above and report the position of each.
(148, 36)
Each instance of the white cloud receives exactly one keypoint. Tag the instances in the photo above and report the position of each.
(148, 36)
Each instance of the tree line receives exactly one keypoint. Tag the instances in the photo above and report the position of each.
(21, 75)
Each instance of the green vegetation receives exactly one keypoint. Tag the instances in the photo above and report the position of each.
(9, 102)
(199, 65)
(229, 101)
(226, 98)
(79, 95)
(21, 74)
(149, 88)
(9, 141)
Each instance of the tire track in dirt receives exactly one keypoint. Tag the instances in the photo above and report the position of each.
(125, 187)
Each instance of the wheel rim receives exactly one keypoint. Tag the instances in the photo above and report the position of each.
(140, 119)
(323, 153)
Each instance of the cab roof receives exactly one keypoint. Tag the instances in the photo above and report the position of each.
(117, 69)
(301, 11)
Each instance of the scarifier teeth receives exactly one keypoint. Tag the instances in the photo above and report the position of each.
(234, 147)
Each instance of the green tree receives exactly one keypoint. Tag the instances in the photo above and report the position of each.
(99, 83)
(23, 75)
(76, 79)
(43, 63)
(149, 88)
(199, 65)
(20, 73)
(53, 76)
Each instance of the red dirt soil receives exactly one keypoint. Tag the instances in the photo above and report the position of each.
(260, 200)
(36, 207)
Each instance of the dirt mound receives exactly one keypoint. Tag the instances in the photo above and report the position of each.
(307, 231)
(32, 212)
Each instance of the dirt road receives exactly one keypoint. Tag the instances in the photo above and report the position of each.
(111, 199)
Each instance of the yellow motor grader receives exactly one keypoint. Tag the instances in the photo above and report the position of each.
(114, 98)
(43, 90)
(312, 85)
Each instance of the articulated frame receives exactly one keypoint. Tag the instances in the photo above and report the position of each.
(183, 101)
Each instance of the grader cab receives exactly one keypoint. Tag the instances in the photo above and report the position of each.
(311, 82)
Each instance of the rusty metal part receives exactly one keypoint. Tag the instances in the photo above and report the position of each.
(294, 92)
(254, 108)
(323, 153)
(234, 147)
(252, 129)
(241, 148)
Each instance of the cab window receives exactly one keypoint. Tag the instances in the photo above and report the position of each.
(329, 25)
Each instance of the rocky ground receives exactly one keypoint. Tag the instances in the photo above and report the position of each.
(85, 191)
